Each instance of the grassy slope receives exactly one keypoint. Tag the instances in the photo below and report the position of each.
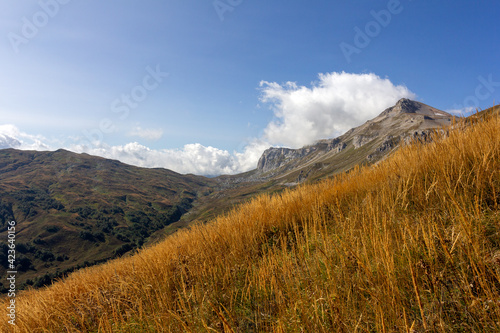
(108, 192)
(412, 243)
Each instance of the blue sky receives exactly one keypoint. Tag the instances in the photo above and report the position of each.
(205, 86)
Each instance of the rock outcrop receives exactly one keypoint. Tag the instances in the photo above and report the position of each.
(274, 158)
(405, 122)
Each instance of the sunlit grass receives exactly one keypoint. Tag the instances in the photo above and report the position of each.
(411, 244)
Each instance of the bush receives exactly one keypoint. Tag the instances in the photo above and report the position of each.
(6, 213)
(39, 241)
(99, 236)
(24, 263)
(62, 257)
(43, 280)
(86, 235)
(122, 238)
(24, 248)
(45, 256)
(123, 249)
(52, 228)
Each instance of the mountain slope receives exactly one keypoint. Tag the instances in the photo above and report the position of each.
(367, 143)
(409, 244)
(73, 210)
(280, 168)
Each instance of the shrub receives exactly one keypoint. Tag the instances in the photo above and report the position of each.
(123, 249)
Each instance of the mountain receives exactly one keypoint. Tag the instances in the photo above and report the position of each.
(407, 120)
(74, 210)
(411, 245)
(280, 168)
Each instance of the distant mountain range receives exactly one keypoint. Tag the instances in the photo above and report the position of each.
(75, 210)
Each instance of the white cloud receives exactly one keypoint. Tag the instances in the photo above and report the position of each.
(8, 142)
(330, 107)
(461, 112)
(192, 158)
(146, 133)
(12, 137)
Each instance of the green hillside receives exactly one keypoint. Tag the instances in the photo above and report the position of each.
(74, 210)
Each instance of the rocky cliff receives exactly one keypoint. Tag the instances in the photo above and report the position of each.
(406, 121)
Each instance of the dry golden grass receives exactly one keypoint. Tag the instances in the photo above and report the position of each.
(409, 245)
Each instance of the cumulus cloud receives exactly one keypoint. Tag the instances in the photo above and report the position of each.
(12, 137)
(146, 133)
(192, 158)
(330, 107)
(7, 141)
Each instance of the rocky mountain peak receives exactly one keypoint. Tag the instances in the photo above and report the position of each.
(405, 105)
(407, 120)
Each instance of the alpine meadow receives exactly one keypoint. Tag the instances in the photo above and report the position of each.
(411, 244)
(234, 166)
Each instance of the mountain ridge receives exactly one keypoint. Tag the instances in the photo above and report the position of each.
(73, 210)
(405, 121)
